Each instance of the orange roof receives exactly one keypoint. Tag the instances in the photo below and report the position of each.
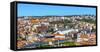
(35, 21)
(58, 34)
(59, 38)
(83, 36)
(93, 36)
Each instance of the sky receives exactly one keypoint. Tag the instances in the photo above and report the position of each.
(45, 10)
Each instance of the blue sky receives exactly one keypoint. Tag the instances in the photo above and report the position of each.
(43, 10)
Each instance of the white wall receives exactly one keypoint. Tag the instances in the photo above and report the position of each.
(5, 26)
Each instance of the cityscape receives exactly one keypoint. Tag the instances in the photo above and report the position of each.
(56, 31)
(48, 26)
